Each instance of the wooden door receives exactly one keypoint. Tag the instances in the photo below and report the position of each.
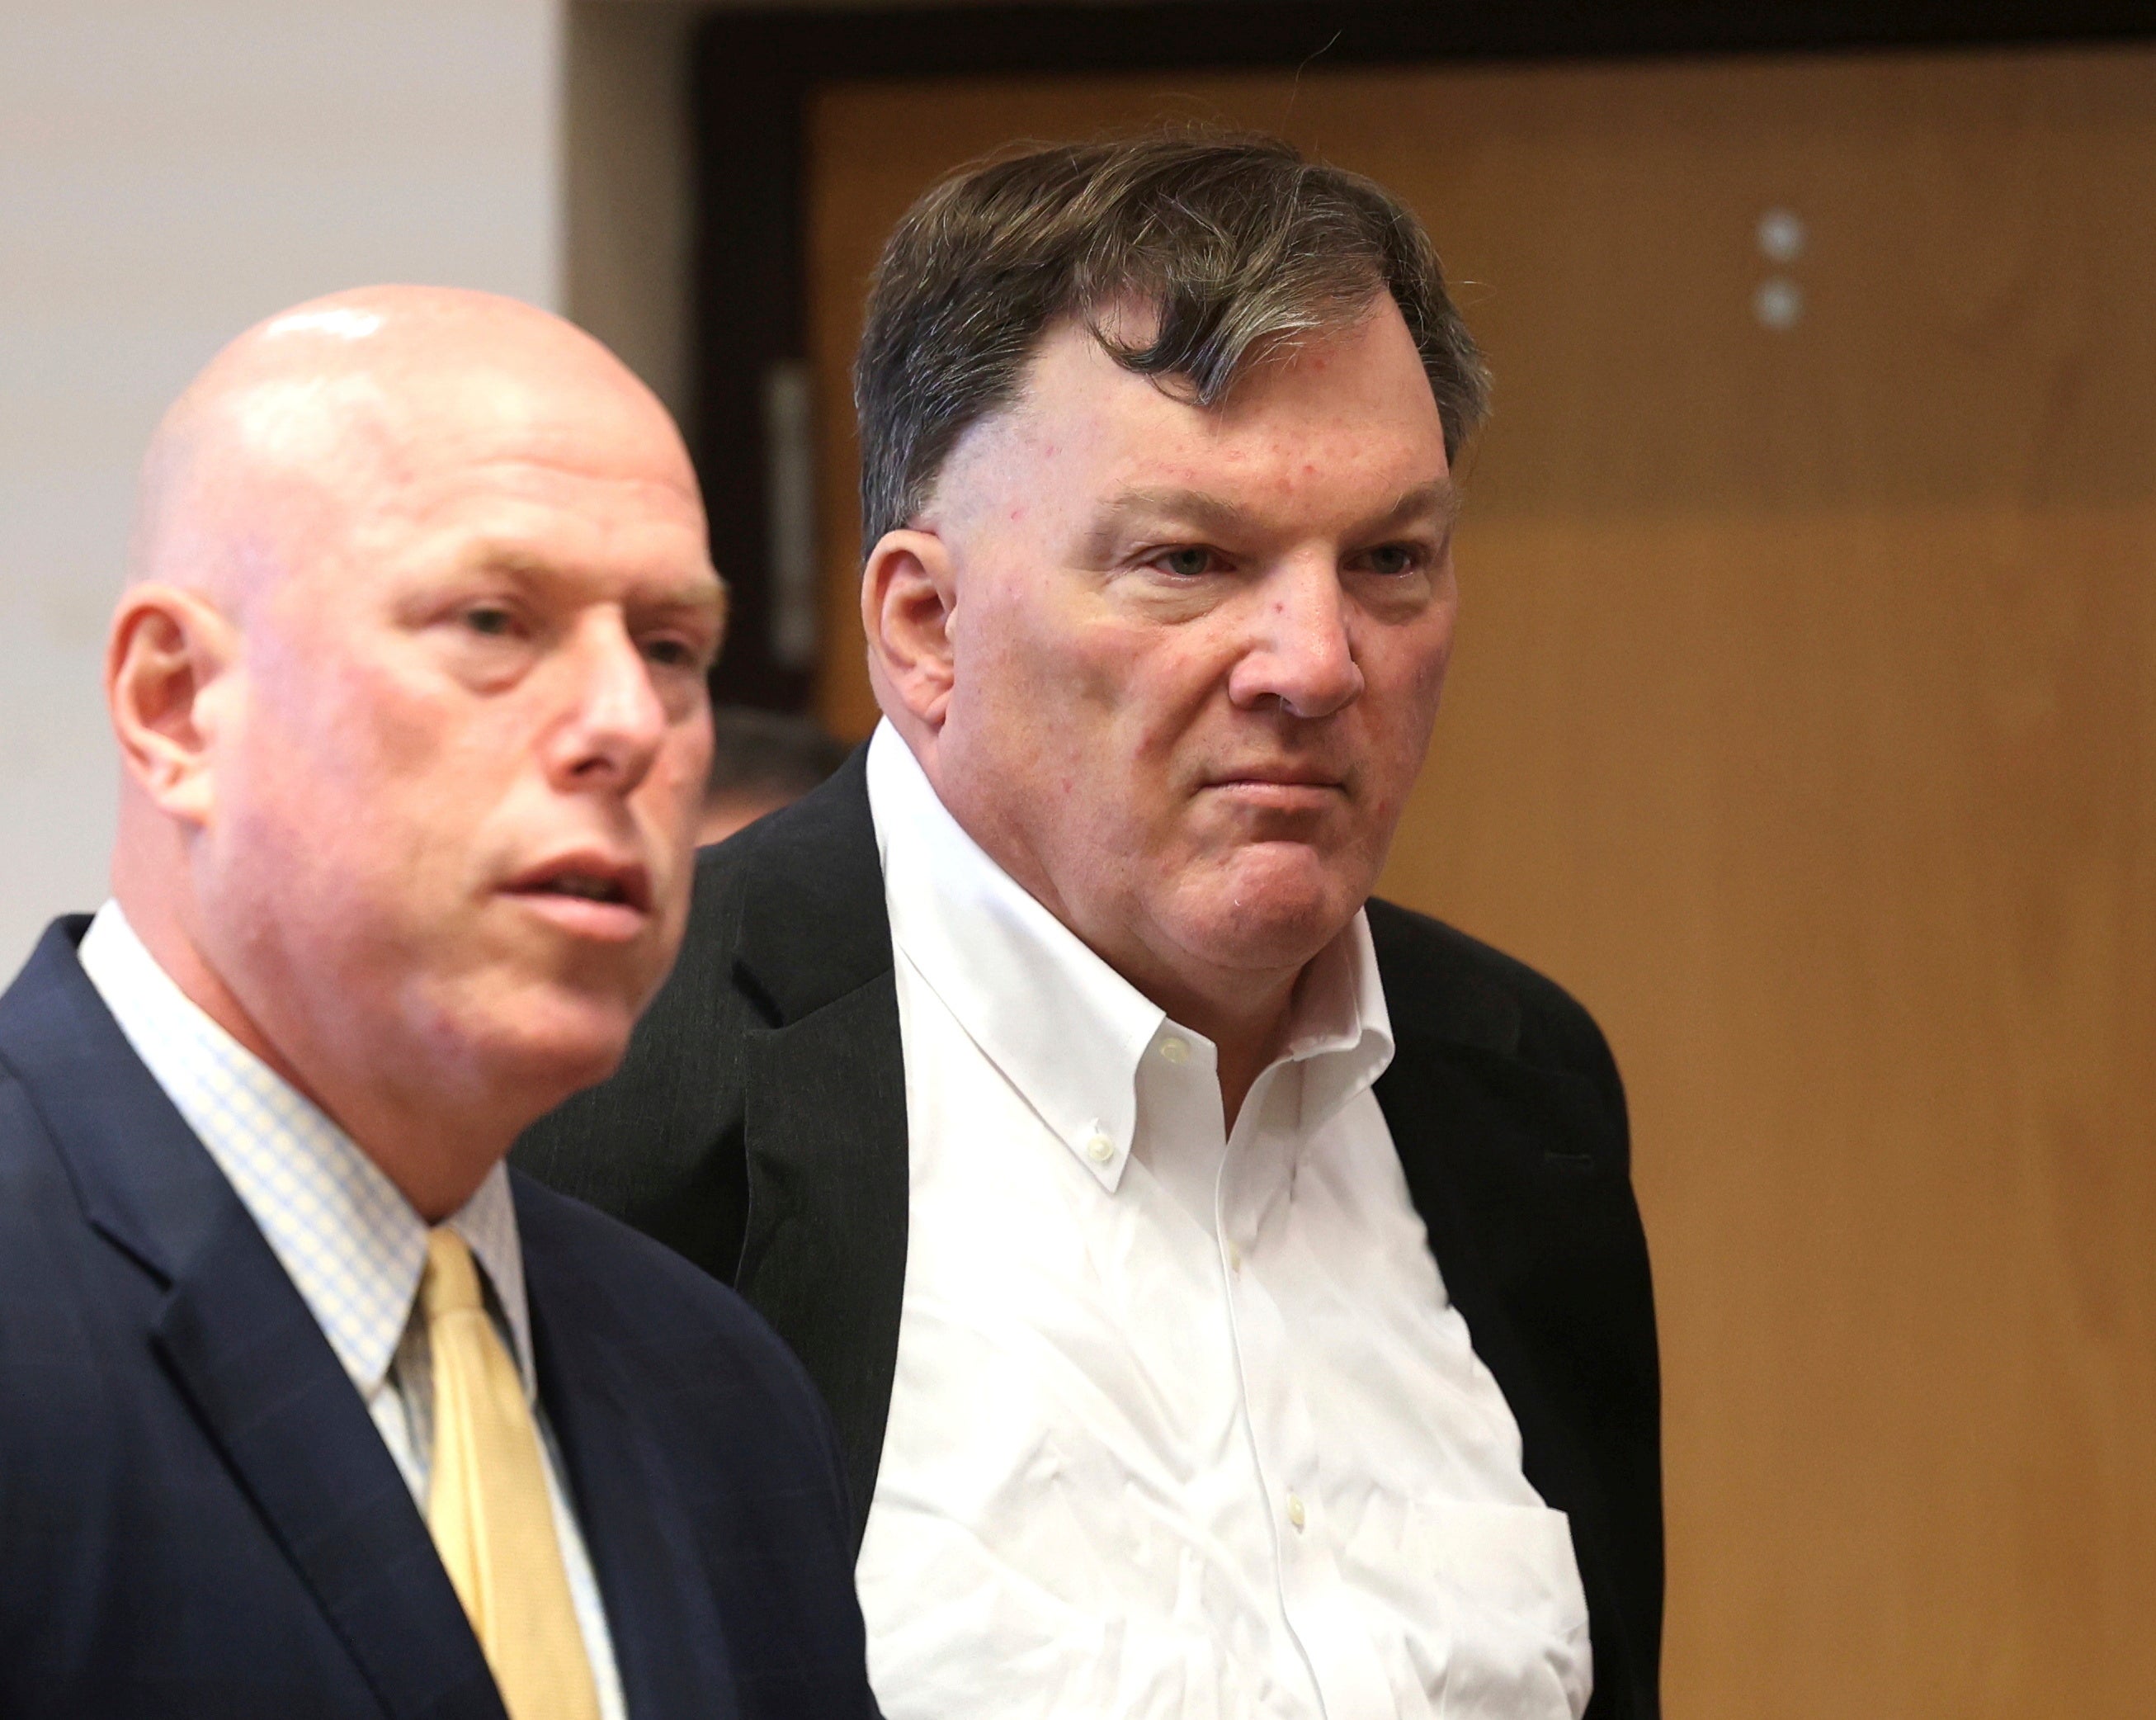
(1804, 723)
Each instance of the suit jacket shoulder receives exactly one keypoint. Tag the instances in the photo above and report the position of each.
(1445, 985)
(197, 1514)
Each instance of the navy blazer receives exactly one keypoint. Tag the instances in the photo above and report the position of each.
(758, 1125)
(198, 1515)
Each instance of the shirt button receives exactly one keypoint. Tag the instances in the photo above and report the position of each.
(1099, 1148)
(1296, 1514)
(1175, 1050)
(1234, 1257)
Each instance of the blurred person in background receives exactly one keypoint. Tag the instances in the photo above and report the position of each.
(1228, 1287)
(307, 1404)
(761, 761)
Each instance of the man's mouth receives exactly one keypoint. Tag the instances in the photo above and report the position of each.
(1289, 777)
(585, 886)
(1270, 790)
(588, 894)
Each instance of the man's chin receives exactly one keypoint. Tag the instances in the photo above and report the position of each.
(1267, 918)
(556, 1042)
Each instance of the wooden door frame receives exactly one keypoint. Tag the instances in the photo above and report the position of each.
(755, 73)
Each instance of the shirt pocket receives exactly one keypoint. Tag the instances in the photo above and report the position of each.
(1488, 1598)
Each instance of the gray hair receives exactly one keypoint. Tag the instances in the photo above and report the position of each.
(1235, 245)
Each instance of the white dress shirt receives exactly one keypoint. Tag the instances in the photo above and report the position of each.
(350, 1242)
(1183, 1423)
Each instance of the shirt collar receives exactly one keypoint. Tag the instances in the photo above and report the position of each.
(350, 1242)
(1066, 1029)
(1339, 1030)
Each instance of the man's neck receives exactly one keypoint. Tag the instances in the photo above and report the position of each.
(436, 1154)
(1243, 1012)
(1246, 1020)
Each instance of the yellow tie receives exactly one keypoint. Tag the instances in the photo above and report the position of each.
(487, 1505)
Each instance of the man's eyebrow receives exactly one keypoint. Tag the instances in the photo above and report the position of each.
(1437, 500)
(521, 562)
(709, 596)
(1209, 514)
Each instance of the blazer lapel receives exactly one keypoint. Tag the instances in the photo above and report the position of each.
(244, 1347)
(824, 1117)
(1471, 1173)
(269, 1388)
(1524, 1200)
(825, 1258)
(1502, 1210)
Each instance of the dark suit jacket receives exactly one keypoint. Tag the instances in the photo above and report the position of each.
(759, 1127)
(197, 1517)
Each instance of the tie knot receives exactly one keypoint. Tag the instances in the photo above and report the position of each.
(451, 1284)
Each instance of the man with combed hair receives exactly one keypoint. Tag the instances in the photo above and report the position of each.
(308, 1406)
(1228, 1288)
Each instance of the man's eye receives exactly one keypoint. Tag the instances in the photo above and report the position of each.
(1393, 559)
(490, 619)
(673, 653)
(1187, 563)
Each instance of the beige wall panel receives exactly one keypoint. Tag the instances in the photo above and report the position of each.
(1804, 722)
(168, 175)
(629, 212)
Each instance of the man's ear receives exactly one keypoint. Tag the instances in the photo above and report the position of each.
(167, 653)
(908, 599)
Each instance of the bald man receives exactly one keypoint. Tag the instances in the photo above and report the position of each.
(308, 1406)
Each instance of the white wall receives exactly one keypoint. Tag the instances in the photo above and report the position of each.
(169, 173)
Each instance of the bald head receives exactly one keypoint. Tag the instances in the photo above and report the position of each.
(321, 409)
(408, 680)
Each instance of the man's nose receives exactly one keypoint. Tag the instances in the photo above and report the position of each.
(611, 731)
(1301, 653)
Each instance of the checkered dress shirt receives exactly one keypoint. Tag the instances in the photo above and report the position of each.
(351, 1242)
